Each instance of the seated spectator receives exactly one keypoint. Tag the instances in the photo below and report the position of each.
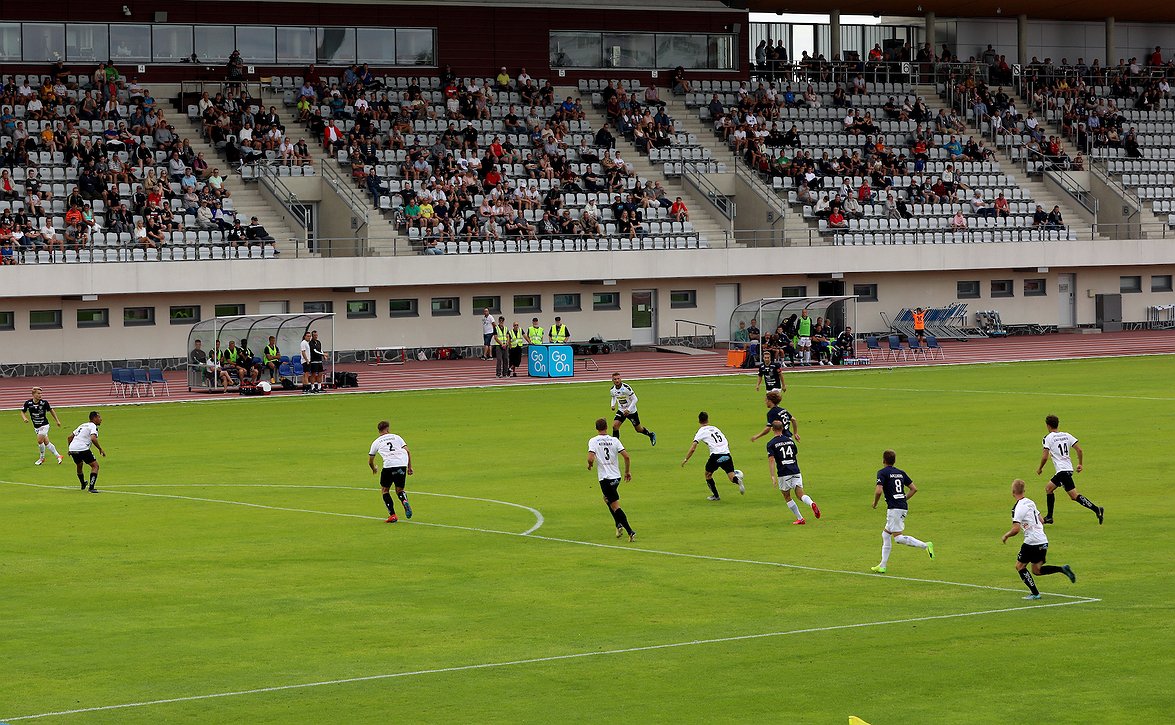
(256, 232)
(678, 82)
(979, 207)
(958, 221)
(1054, 219)
(1001, 206)
(1040, 217)
(503, 80)
(679, 212)
(836, 219)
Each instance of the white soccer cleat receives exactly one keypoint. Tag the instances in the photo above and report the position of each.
(39, 461)
(738, 480)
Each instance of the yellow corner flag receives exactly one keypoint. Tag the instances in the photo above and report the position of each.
(854, 720)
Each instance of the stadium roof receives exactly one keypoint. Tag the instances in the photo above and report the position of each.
(1094, 10)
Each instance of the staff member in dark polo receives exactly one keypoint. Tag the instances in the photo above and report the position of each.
(559, 333)
(501, 349)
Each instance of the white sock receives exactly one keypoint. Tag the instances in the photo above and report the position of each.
(41, 447)
(806, 499)
(910, 541)
(886, 547)
(795, 510)
(52, 449)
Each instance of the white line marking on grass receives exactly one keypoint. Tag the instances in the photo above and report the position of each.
(575, 542)
(539, 520)
(538, 660)
(955, 390)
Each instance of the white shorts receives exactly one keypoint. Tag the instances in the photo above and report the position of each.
(787, 483)
(43, 430)
(805, 342)
(895, 520)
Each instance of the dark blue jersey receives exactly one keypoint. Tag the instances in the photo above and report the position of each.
(38, 412)
(778, 413)
(784, 451)
(893, 482)
(772, 374)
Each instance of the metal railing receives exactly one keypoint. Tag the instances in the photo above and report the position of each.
(696, 325)
(725, 205)
(343, 188)
(1070, 185)
(294, 207)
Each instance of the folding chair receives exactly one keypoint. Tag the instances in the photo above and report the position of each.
(915, 347)
(895, 347)
(155, 377)
(873, 349)
(932, 346)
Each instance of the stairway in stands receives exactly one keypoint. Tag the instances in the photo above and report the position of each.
(709, 224)
(247, 199)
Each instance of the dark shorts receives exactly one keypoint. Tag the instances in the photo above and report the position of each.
(86, 456)
(487, 338)
(393, 477)
(610, 488)
(720, 460)
(634, 417)
(1032, 553)
(316, 367)
(1064, 479)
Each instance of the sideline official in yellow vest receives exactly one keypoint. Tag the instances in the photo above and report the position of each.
(502, 349)
(517, 342)
(535, 333)
(559, 333)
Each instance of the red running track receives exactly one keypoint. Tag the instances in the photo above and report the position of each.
(94, 390)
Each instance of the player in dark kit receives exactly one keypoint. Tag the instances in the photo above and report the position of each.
(898, 488)
(774, 413)
(770, 374)
(1035, 548)
(784, 468)
(37, 410)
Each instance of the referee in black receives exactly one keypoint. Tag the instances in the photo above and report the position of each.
(316, 362)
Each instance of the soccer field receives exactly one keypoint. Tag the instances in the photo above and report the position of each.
(237, 567)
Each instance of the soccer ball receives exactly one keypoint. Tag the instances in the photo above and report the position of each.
(265, 386)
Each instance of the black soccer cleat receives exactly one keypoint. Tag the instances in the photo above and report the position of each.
(84, 484)
(93, 490)
(1101, 515)
(1069, 573)
(1047, 520)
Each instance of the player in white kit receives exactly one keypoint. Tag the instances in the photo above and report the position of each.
(719, 456)
(84, 436)
(605, 452)
(397, 466)
(624, 403)
(1057, 445)
(1026, 518)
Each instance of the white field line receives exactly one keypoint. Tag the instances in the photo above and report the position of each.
(954, 390)
(575, 542)
(538, 660)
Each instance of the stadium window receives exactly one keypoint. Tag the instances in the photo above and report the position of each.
(318, 308)
(528, 303)
(295, 45)
(227, 310)
(967, 289)
(85, 42)
(576, 50)
(7, 320)
(416, 46)
(481, 302)
(138, 316)
(630, 50)
(1002, 288)
(94, 317)
(359, 309)
(680, 49)
(1160, 283)
(336, 46)
(403, 307)
(865, 292)
(171, 43)
(795, 291)
(130, 43)
(683, 298)
(257, 44)
(446, 306)
(43, 41)
(184, 314)
(10, 41)
(567, 302)
(214, 43)
(45, 320)
(1130, 283)
(605, 301)
(1035, 288)
(375, 46)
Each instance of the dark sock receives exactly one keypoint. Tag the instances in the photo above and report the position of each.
(82, 478)
(622, 520)
(1050, 499)
(1027, 577)
(713, 488)
(614, 516)
(402, 496)
(616, 433)
(1046, 570)
(93, 479)
(647, 432)
(1086, 503)
(389, 504)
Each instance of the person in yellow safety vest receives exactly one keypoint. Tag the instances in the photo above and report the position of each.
(559, 332)
(517, 342)
(502, 349)
(272, 359)
(534, 333)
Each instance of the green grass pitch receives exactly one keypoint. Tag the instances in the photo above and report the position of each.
(128, 598)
